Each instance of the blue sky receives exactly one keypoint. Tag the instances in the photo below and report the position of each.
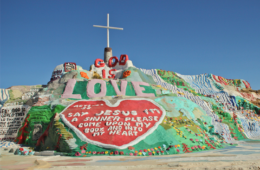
(189, 37)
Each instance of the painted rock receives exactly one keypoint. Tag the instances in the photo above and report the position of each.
(118, 125)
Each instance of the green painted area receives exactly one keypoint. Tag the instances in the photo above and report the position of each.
(138, 75)
(175, 106)
(247, 105)
(172, 78)
(40, 115)
(235, 133)
(228, 120)
(159, 138)
(81, 88)
(57, 138)
(79, 75)
(210, 100)
(170, 132)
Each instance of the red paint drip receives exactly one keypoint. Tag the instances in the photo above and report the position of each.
(23, 136)
(43, 136)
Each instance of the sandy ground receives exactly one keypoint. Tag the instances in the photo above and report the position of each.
(244, 156)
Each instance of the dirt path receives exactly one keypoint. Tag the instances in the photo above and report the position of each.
(243, 156)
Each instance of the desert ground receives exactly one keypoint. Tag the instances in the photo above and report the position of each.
(246, 155)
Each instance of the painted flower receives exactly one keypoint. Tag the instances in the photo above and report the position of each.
(106, 152)
(94, 152)
(21, 149)
(84, 75)
(192, 148)
(149, 153)
(158, 152)
(196, 140)
(162, 152)
(89, 152)
(103, 153)
(135, 154)
(145, 150)
(98, 153)
(178, 150)
(178, 145)
(144, 153)
(111, 153)
(77, 154)
(121, 153)
(140, 153)
(131, 154)
(153, 152)
(136, 151)
(148, 150)
(152, 149)
(83, 151)
(116, 152)
(126, 73)
(155, 148)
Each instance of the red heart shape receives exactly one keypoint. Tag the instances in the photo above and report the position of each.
(123, 124)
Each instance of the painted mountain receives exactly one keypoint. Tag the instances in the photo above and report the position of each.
(117, 109)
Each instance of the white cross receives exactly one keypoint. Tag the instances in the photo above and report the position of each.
(107, 27)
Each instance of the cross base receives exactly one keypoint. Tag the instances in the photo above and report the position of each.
(107, 54)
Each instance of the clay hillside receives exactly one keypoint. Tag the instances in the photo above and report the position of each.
(116, 109)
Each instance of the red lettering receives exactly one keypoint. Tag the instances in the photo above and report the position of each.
(102, 64)
(112, 75)
(110, 64)
(123, 59)
(104, 73)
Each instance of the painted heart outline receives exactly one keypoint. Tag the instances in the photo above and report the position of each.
(113, 141)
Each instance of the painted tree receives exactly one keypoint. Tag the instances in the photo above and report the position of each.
(43, 136)
(85, 146)
(185, 148)
(209, 144)
(24, 133)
